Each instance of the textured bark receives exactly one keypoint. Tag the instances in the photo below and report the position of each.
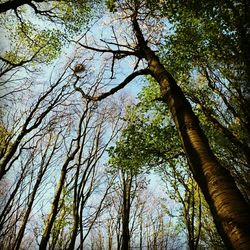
(75, 211)
(242, 146)
(229, 209)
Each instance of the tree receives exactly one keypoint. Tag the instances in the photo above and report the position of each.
(83, 156)
(214, 54)
(141, 143)
(229, 208)
(215, 59)
(42, 170)
(34, 118)
(36, 32)
(127, 189)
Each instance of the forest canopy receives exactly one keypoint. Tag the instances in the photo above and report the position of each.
(125, 124)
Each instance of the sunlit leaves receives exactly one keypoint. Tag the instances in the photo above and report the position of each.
(149, 137)
(74, 14)
(198, 37)
(53, 24)
(40, 45)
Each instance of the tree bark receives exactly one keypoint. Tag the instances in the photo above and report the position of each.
(126, 212)
(229, 209)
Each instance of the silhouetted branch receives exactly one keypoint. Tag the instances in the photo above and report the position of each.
(115, 89)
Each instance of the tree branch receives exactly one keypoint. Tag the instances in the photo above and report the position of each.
(11, 65)
(115, 89)
(115, 52)
(13, 5)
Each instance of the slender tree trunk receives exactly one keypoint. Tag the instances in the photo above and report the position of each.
(27, 214)
(125, 232)
(64, 169)
(75, 210)
(126, 212)
(10, 152)
(199, 222)
(75, 227)
(118, 237)
(110, 235)
(7, 207)
(54, 211)
(141, 233)
(41, 172)
(229, 209)
(55, 204)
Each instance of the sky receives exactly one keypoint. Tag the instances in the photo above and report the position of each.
(94, 63)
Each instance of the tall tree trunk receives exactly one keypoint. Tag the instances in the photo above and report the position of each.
(229, 209)
(54, 210)
(110, 235)
(75, 227)
(27, 213)
(140, 233)
(43, 168)
(125, 215)
(55, 204)
(56, 200)
(75, 209)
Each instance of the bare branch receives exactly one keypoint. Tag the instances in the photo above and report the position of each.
(115, 52)
(21, 63)
(13, 5)
(127, 80)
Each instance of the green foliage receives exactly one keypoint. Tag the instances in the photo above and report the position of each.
(63, 223)
(205, 50)
(111, 5)
(74, 14)
(41, 45)
(193, 41)
(207, 34)
(149, 137)
(4, 139)
(42, 40)
(150, 141)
